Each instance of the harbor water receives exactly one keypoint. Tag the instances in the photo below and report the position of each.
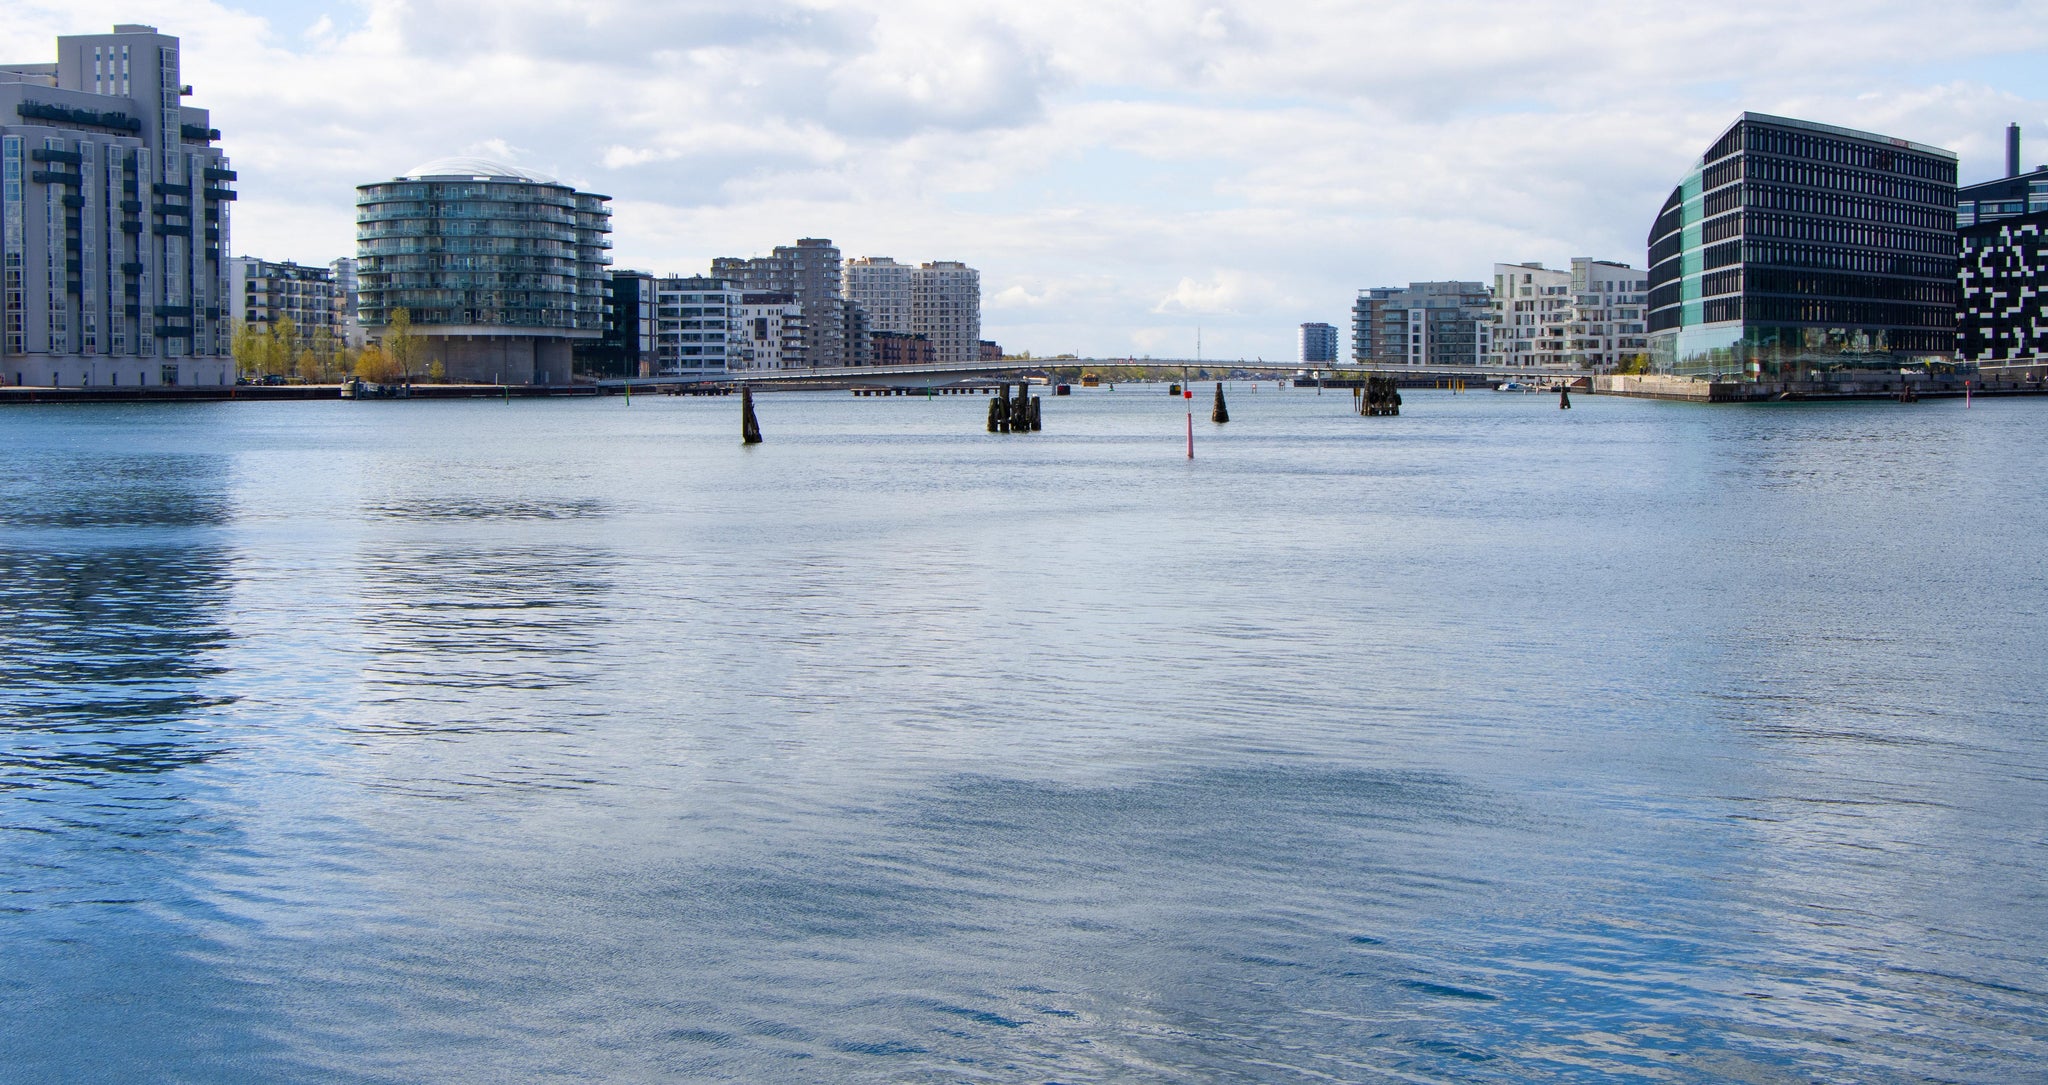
(571, 740)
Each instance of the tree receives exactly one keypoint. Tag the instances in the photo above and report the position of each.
(325, 348)
(284, 347)
(399, 343)
(436, 372)
(251, 347)
(372, 364)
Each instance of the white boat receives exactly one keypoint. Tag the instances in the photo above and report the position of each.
(1512, 386)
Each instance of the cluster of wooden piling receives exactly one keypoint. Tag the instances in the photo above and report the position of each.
(1013, 414)
(1219, 413)
(1378, 396)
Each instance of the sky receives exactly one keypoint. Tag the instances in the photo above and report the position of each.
(1125, 175)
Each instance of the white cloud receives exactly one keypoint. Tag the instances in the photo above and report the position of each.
(1119, 172)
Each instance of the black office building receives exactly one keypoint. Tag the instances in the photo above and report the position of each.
(2002, 325)
(1794, 250)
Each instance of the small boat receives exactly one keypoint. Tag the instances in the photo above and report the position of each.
(1513, 386)
(1090, 380)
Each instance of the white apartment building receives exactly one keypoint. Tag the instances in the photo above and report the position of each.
(767, 334)
(881, 286)
(346, 319)
(1611, 324)
(114, 209)
(266, 291)
(1591, 316)
(945, 307)
(693, 319)
(1532, 315)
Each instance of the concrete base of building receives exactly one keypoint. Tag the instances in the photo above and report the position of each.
(113, 370)
(496, 359)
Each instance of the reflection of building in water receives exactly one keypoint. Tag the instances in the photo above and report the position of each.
(111, 651)
(460, 638)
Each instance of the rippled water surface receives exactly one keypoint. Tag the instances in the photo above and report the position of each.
(571, 740)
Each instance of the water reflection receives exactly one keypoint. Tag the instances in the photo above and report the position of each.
(108, 661)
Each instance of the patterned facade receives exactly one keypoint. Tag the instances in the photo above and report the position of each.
(2003, 318)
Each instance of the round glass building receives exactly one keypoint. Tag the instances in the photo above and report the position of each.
(500, 268)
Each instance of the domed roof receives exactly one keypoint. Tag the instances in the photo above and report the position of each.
(470, 166)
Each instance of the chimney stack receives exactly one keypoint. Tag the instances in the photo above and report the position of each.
(2012, 150)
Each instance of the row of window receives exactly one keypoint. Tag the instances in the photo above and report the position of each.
(1814, 147)
(1844, 207)
(1836, 179)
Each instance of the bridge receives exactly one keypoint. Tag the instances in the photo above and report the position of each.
(947, 374)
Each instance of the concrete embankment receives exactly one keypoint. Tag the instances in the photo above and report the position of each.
(222, 393)
(1686, 389)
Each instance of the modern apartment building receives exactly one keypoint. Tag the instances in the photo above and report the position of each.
(767, 334)
(1425, 324)
(902, 348)
(2010, 196)
(627, 347)
(945, 307)
(1792, 249)
(1532, 315)
(267, 291)
(1590, 316)
(881, 286)
(693, 325)
(2003, 316)
(1318, 344)
(501, 269)
(810, 272)
(346, 316)
(114, 206)
(1365, 322)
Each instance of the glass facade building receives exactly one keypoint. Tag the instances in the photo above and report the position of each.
(497, 266)
(1793, 250)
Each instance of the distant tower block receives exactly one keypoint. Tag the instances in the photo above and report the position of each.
(1318, 344)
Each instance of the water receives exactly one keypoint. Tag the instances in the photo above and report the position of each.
(572, 741)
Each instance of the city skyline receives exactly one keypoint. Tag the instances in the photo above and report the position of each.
(1118, 177)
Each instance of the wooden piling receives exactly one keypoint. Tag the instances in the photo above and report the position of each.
(1564, 398)
(1221, 413)
(750, 427)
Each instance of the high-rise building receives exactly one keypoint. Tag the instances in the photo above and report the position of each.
(1532, 315)
(1793, 249)
(2003, 317)
(1318, 344)
(113, 216)
(501, 269)
(1426, 324)
(266, 291)
(945, 307)
(881, 286)
(693, 325)
(767, 333)
(810, 272)
(2009, 196)
(1365, 320)
(627, 347)
(346, 316)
